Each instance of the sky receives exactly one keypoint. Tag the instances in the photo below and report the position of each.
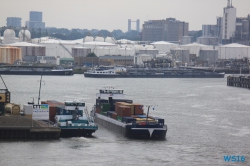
(114, 14)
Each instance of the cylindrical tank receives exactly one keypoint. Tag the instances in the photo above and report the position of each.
(180, 54)
(99, 38)
(13, 109)
(24, 35)
(9, 36)
(209, 55)
(10, 54)
(88, 39)
(80, 51)
(110, 40)
(186, 40)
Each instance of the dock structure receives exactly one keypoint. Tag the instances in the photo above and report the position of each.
(20, 127)
(239, 81)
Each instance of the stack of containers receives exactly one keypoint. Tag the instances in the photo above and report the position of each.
(54, 106)
(99, 103)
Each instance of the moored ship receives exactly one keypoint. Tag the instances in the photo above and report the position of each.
(125, 117)
(35, 71)
(72, 118)
(114, 72)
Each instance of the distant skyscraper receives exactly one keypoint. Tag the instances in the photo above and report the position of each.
(13, 22)
(35, 21)
(36, 16)
(228, 21)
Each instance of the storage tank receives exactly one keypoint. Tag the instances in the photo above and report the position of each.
(99, 38)
(181, 55)
(186, 40)
(209, 55)
(163, 46)
(13, 109)
(29, 49)
(80, 51)
(24, 35)
(110, 40)
(10, 54)
(9, 36)
(88, 39)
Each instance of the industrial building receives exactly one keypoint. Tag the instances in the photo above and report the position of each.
(164, 30)
(14, 22)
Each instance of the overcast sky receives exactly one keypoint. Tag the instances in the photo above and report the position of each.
(114, 14)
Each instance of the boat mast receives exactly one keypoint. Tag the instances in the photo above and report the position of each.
(39, 89)
(4, 83)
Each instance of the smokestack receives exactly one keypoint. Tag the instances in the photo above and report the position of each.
(231, 3)
(228, 3)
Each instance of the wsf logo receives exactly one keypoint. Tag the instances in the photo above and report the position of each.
(234, 159)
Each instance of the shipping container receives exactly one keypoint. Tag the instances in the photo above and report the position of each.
(128, 119)
(105, 107)
(123, 111)
(114, 115)
(119, 118)
(138, 109)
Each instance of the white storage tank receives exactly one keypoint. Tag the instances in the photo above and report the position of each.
(186, 40)
(99, 39)
(209, 55)
(88, 39)
(181, 55)
(110, 40)
(80, 51)
(233, 51)
(163, 46)
(29, 49)
(24, 35)
(9, 36)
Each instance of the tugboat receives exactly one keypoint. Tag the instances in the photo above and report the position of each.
(125, 117)
(74, 120)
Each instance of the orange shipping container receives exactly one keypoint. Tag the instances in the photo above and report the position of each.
(123, 111)
(138, 109)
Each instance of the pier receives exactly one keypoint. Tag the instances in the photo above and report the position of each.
(20, 127)
(239, 81)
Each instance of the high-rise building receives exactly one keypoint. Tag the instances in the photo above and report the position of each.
(229, 21)
(164, 30)
(36, 16)
(209, 30)
(35, 21)
(13, 22)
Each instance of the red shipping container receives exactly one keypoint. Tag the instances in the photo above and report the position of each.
(114, 115)
(97, 110)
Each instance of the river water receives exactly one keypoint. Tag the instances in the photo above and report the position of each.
(206, 121)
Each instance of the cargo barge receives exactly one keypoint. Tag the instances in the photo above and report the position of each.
(114, 72)
(125, 117)
(35, 71)
(71, 117)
